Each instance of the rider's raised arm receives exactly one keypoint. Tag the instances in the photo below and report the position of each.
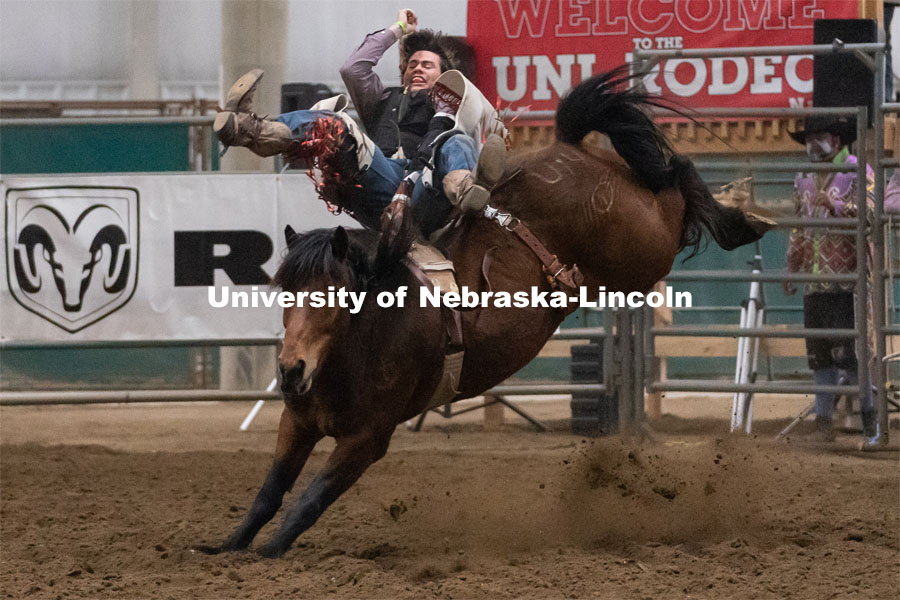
(363, 84)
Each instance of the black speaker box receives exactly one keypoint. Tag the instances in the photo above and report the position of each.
(841, 79)
(300, 96)
(593, 413)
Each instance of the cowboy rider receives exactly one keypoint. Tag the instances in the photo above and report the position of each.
(403, 124)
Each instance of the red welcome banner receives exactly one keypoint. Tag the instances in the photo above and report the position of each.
(530, 52)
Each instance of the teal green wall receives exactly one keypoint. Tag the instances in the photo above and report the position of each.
(130, 368)
(94, 148)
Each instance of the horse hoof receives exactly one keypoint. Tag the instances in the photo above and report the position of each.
(211, 550)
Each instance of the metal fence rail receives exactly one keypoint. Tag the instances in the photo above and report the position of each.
(768, 277)
(131, 397)
(764, 332)
(143, 396)
(173, 343)
(774, 387)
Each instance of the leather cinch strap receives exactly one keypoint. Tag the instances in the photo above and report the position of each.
(558, 274)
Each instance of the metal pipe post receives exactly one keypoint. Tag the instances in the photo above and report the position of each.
(626, 393)
(638, 318)
(609, 350)
(736, 399)
(817, 49)
(862, 270)
(44, 121)
(751, 375)
(878, 295)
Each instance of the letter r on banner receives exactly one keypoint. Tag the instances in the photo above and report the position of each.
(196, 259)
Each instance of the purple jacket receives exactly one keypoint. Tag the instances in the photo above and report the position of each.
(817, 250)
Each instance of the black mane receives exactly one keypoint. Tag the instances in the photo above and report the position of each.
(309, 257)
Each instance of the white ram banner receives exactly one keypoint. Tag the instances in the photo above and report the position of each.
(131, 257)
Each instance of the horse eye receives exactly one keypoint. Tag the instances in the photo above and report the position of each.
(46, 255)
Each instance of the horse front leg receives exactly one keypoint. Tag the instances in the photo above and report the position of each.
(349, 460)
(295, 443)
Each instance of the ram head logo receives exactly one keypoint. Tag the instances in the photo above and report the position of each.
(72, 252)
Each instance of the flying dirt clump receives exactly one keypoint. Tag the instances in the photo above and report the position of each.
(613, 492)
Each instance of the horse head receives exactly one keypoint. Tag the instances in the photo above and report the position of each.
(315, 262)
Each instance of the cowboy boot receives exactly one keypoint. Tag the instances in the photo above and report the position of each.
(869, 422)
(396, 226)
(471, 191)
(261, 136)
(240, 96)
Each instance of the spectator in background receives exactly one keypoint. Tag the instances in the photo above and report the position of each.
(892, 194)
(889, 8)
(820, 251)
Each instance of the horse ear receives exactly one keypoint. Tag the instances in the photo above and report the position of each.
(289, 234)
(340, 243)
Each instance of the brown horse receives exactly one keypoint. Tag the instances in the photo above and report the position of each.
(621, 216)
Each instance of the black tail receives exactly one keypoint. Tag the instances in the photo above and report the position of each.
(730, 227)
(608, 103)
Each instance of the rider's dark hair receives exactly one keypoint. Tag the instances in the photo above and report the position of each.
(426, 39)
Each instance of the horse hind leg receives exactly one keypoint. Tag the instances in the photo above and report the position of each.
(349, 460)
(294, 445)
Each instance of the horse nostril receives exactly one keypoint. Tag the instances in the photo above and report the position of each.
(291, 377)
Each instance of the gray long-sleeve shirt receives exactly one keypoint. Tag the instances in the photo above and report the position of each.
(363, 84)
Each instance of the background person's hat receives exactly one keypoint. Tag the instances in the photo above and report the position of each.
(845, 127)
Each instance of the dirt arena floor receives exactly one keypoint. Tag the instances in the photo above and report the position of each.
(106, 502)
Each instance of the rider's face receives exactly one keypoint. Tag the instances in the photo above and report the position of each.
(422, 70)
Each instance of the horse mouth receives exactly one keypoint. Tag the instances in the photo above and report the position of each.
(305, 385)
(296, 380)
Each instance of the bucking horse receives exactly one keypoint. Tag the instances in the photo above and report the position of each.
(612, 214)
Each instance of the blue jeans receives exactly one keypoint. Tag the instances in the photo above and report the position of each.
(831, 376)
(380, 181)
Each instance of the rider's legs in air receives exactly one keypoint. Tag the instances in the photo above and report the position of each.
(461, 178)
